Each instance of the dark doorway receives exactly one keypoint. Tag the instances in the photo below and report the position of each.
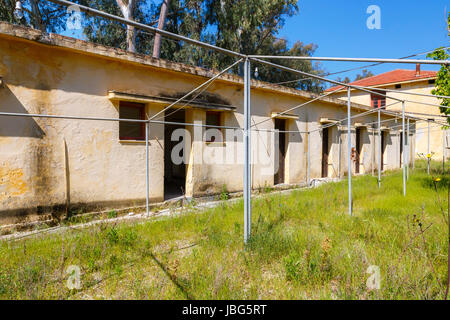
(358, 150)
(325, 152)
(280, 124)
(383, 147)
(174, 172)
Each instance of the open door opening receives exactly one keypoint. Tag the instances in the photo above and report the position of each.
(358, 151)
(325, 152)
(280, 124)
(174, 171)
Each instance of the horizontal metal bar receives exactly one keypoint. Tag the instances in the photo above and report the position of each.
(34, 115)
(410, 93)
(194, 125)
(148, 28)
(274, 65)
(195, 89)
(296, 107)
(414, 61)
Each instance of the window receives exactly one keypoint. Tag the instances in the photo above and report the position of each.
(131, 130)
(377, 100)
(398, 86)
(213, 118)
(432, 81)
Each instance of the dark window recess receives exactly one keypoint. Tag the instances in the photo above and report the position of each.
(377, 100)
(212, 134)
(398, 86)
(131, 130)
(432, 81)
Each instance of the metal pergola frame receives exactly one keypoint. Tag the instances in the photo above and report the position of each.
(247, 59)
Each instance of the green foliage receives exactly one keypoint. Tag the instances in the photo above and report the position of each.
(304, 245)
(224, 195)
(42, 15)
(247, 26)
(442, 86)
(365, 74)
(112, 214)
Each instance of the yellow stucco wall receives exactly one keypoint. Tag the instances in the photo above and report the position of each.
(423, 87)
(46, 163)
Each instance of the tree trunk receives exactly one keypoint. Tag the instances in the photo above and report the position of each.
(36, 18)
(127, 8)
(161, 22)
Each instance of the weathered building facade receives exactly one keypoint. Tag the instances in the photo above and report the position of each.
(400, 84)
(49, 165)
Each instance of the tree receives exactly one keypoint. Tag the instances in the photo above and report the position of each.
(42, 15)
(365, 74)
(161, 22)
(442, 85)
(127, 7)
(345, 80)
(110, 33)
(246, 26)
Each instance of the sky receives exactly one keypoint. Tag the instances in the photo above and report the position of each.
(339, 28)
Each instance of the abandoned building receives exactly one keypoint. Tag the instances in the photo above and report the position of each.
(52, 164)
(404, 84)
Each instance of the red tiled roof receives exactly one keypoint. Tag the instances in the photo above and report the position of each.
(394, 76)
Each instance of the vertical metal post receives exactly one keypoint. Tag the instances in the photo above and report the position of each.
(443, 150)
(339, 152)
(403, 148)
(308, 160)
(247, 168)
(428, 150)
(380, 150)
(349, 151)
(408, 157)
(147, 170)
(372, 158)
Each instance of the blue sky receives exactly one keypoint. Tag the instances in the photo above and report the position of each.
(339, 29)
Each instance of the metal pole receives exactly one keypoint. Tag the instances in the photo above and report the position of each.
(413, 61)
(147, 171)
(408, 158)
(151, 29)
(380, 149)
(195, 89)
(349, 151)
(428, 150)
(339, 153)
(247, 169)
(403, 149)
(443, 150)
(308, 161)
(372, 158)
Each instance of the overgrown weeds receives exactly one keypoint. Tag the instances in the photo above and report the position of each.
(304, 245)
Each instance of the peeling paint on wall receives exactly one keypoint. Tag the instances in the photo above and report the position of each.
(11, 182)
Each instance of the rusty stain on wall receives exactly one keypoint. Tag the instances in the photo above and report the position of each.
(11, 182)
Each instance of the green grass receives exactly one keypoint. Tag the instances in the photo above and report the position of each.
(304, 246)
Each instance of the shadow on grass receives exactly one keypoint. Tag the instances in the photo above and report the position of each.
(172, 278)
